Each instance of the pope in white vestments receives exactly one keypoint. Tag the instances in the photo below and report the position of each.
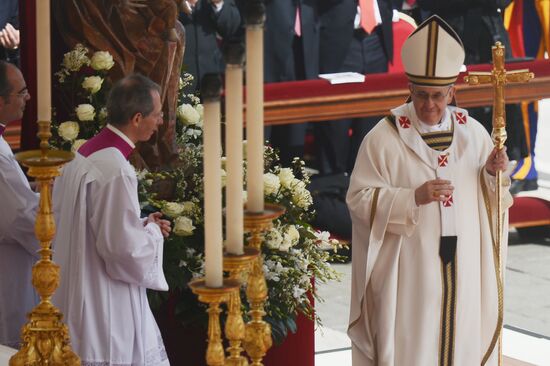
(425, 286)
(108, 255)
(18, 244)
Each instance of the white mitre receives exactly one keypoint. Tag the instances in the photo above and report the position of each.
(433, 54)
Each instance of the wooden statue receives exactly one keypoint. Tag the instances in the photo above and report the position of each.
(143, 36)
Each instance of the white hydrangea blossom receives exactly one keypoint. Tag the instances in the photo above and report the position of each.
(271, 183)
(273, 239)
(286, 176)
(76, 58)
(300, 195)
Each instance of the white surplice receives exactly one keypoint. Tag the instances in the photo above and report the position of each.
(108, 259)
(396, 304)
(18, 247)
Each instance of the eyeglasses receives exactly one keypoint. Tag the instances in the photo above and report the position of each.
(23, 93)
(436, 97)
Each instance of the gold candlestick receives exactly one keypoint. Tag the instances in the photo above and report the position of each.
(258, 332)
(214, 296)
(45, 338)
(238, 267)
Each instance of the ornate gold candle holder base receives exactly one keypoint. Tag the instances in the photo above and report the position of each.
(238, 267)
(214, 296)
(258, 332)
(45, 338)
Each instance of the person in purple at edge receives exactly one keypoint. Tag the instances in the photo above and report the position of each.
(18, 245)
(108, 255)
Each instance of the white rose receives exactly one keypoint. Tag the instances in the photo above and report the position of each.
(173, 209)
(271, 183)
(85, 112)
(183, 226)
(292, 234)
(77, 144)
(286, 176)
(290, 238)
(273, 239)
(68, 130)
(187, 115)
(102, 60)
(92, 83)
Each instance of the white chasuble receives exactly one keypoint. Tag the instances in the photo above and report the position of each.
(18, 247)
(108, 259)
(424, 283)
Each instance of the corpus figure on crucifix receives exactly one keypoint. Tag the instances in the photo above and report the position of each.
(425, 284)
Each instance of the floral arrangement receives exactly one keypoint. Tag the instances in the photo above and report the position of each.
(81, 88)
(294, 253)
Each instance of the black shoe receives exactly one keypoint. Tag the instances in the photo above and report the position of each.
(522, 185)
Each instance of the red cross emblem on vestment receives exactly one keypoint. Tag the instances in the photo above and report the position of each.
(461, 118)
(404, 122)
(442, 160)
(448, 202)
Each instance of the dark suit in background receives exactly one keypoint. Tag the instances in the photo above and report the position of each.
(202, 29)
(9, 13)
(479, 24)
(289, 57)
(344, 48)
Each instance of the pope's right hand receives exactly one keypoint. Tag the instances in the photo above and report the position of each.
(433, 190)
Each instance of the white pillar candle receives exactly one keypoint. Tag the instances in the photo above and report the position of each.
(234, 152)
(213, 251)
(43, 61)
(255, 117)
